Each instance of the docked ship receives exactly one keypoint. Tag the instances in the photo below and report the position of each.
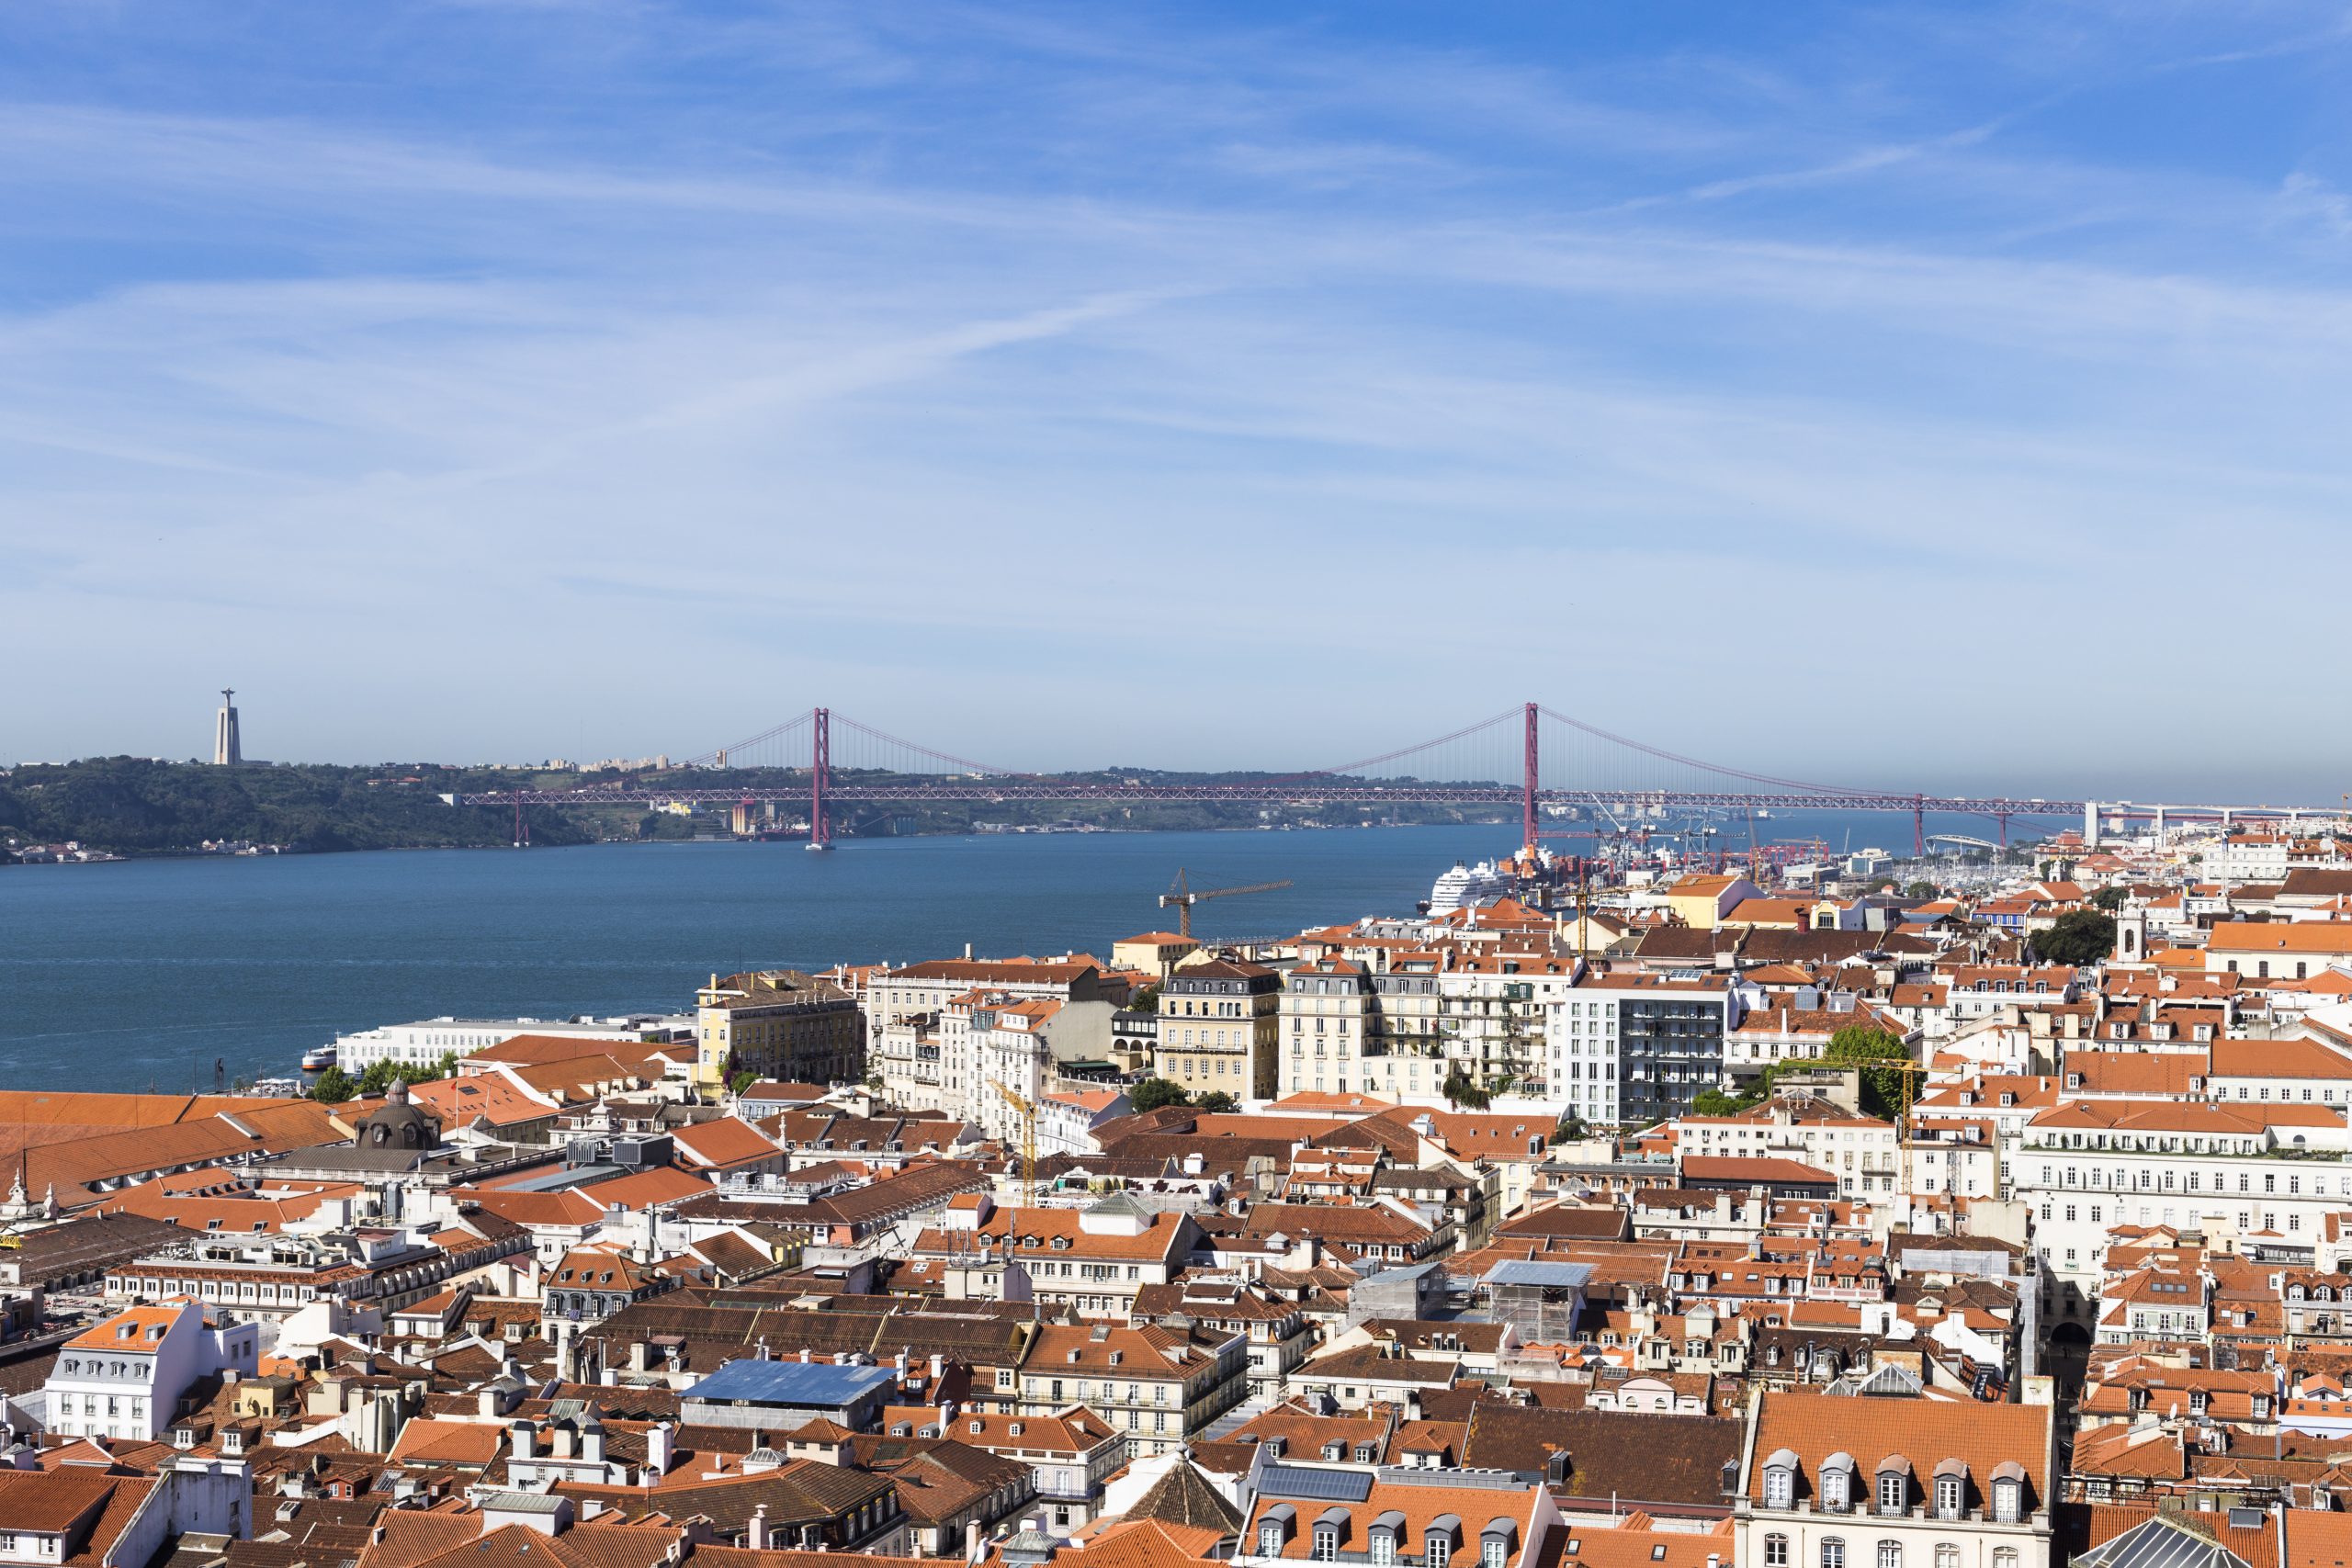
(318, 1058)
(1465, 887)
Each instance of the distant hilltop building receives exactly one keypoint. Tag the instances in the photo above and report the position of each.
(227, 749)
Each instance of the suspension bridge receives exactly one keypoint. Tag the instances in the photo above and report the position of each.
(1529, 758)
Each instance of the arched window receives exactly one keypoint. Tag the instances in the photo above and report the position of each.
(1780, 1485)
(1439, 1540)
(2006, 1557)
(1833, 1552)
(1274, 1527)
(1837, 1484)
(1894, 1492)
(1947, 1556)
(1951, 1491)
(1890, 1554)
(2008, 1498)
(1776, 1551)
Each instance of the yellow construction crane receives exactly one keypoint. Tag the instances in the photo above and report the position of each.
(1182, 898)
(1026, 1109)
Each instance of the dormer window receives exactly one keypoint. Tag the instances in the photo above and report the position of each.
(1330, 1529)
(1274, 1527)
(1951, 1489)
(1437, 1545)
(1495, 1543)
(1837, 1484)
(1894, 1485)
(2008, 1493)
(1781, 1480)
(1386, 1532)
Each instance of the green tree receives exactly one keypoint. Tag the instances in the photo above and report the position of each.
(1859, 1045)
(1462, 1092)
(2107, 900)
(1569, 1128)
(334, 1087)
(1920, 890)
(2080, 936)
(1151, 1094)
(1145, 1000)
(1715, 1102)
(1216, 1101)
(743, 1080)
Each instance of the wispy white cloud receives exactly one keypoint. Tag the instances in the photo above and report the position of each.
(1308, 340)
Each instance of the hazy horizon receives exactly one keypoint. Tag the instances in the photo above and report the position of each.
(1882, 395)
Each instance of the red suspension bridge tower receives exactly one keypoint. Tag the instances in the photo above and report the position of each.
(1528, 785)
(821, 832)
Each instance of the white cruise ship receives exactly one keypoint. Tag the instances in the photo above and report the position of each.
(1466, 886)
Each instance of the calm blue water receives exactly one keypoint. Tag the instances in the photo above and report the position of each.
(140, 974)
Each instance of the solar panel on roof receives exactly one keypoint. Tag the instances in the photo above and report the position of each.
(789, 1383)
(1569, 1276)
(1320, 1486)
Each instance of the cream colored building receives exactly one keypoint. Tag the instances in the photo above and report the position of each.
(1154, 952)
(1702, 899)
(1219, 1020)
(780, 1024)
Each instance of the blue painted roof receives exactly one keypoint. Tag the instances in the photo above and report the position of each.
(790, 1383)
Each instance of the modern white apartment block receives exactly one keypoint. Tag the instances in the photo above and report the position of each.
(428, 1039)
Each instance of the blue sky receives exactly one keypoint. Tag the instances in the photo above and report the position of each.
(1921, 397)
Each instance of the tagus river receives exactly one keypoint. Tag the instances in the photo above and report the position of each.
(141, 974)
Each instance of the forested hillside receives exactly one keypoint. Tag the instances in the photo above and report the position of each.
(129, 804)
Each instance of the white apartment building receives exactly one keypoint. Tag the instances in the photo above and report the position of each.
(1632, 1049)
(428, 1039)
(124, 1378)
(1861, 1151)
(2084, 1167)
(2255, 855)
(918, 1023)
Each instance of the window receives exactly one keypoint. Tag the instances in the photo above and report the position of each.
(1326, 1543)
(2007, 1500)
(1833, 1552)
(1438, 1550)
(1780, 1484)
(1270, 1540)
(1893, 1493)
(1890, 1554)
(2006, 1557)
(1776, 1551)
(1950, 1489)
(1383, 1549)
(1493, 1552)
(1947, 1556)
